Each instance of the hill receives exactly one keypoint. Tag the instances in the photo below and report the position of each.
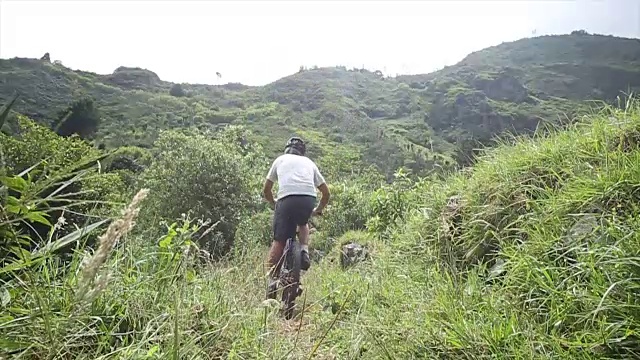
(417, 121)
(532, 253)
(529, 253)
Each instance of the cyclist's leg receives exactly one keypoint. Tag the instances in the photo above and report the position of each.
(303, 236)
(275, 253)
(305, 208)
(284, 227)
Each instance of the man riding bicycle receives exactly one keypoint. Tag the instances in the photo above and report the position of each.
(298, 178)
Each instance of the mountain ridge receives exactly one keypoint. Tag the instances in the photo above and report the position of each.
(419, 122)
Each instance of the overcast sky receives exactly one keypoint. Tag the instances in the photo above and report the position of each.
(258, 42)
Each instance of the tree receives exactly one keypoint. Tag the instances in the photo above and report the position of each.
(579, 32)
(80, 118)
(176, 90)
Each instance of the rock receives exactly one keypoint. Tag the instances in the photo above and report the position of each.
(46, 57)
(453, 203)
(497, 269)
(134, 78)
(352, 253)
(584, 226)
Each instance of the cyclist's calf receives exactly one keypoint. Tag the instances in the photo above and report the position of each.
(303, 235)
(275, 255)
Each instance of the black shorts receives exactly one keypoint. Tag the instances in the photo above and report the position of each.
(291, 211)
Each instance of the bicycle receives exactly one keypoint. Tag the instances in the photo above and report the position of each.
(289, 274)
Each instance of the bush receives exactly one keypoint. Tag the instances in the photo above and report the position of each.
(33, 143)
(389, 204)
(211, 177)
(349, 209)
(176, 90)
(128, 162)
(63, 171)
(534, 244)
(255, 229)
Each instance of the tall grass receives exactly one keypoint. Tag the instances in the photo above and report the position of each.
(533, 254)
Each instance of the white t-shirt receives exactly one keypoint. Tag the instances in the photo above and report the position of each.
(296, 175)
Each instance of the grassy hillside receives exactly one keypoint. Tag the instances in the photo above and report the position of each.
(154, 245)
(530, 254)
(417, 121)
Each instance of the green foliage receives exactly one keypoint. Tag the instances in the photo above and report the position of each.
(541, 231)
(557, 213)
(61, 170)
(529, 254)
(132, 158)
(177, 90)
(33, 276)
(81, 118)
(34, 143)
(422, 123)
(128, 162)
(349, 209)
(209, 176)
(4, 114)
(33, 214)
(254, 229)
(389, 204)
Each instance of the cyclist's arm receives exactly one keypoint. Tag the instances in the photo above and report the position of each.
(267, 192)
(321, 184)
(324, 200)
(272, 176)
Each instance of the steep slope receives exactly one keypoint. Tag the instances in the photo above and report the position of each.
(514, 85)
(416, 121)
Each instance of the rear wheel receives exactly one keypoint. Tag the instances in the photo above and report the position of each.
(290, 277)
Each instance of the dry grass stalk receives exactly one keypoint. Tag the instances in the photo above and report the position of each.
(88, 286)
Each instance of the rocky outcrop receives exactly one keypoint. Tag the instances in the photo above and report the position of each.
(352, 253)
(134, 78)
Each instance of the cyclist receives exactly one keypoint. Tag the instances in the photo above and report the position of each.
(298, 178)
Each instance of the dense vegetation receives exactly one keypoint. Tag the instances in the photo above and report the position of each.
(133, 226)
(417, 121)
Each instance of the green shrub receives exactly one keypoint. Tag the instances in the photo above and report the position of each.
(534, 244)
(349, 209)
(255, 229)
(390, 203)
(210, 177)
(128, 162)
(64, 171)
(176, 90)
(33, 143)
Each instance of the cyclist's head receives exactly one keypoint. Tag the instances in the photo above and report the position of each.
(296, 146)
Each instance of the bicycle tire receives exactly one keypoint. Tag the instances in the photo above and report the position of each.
(290, 274)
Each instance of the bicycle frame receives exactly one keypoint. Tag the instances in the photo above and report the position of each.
(290, 271)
